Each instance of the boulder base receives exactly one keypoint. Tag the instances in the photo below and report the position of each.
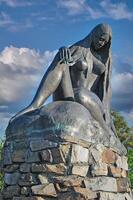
(59, 152)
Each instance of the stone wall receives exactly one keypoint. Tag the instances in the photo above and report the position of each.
(38, 169)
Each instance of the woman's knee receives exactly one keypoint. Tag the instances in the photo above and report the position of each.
(81, 95)
(87, 98)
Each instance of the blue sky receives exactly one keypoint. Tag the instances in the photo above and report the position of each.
(31, 31)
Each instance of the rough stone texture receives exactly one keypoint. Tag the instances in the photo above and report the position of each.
(124, 173)
(39, 168)
(80, 170)
(122, 185)
(57, 155)
(115, 172)
(46, 156)
(28, 198)
(25, 167)
(25, 191)
(87, 194)
(7, 158)
(121, 162)
(57, 168)
(100, 169)
(11, 179)
(19, 155)
(69, 171)
(79, 154)
(32, 157)
(69, 181)
(28, 180)
(112, 196)
(43, 179)
(44, 190)
(62, 167)
(109, 156)
(11, 168)
(60, 119)
(11, 191)
(40, 144)
(107, 184)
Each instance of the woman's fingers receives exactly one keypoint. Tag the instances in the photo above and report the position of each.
(65, 55)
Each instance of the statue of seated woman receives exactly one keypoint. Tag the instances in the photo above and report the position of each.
(81, 73)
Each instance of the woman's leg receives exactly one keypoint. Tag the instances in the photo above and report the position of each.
(48, 85)
(93, 104)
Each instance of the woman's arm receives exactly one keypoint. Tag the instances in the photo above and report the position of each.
(98, 66)
(48, 85)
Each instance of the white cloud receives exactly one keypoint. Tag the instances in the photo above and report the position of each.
(123, 83)
(20, 69)
(102, 9)
(11, 25)
(76, 7)
(130, 115)
(16, 3)
(5, 20)
(73, 6)
(116, 11)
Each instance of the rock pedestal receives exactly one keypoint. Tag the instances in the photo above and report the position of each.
(63, 167)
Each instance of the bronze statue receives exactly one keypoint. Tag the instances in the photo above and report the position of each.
(81, 73)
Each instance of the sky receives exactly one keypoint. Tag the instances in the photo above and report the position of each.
(31, 32)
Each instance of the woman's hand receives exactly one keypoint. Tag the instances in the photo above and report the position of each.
(65, 56)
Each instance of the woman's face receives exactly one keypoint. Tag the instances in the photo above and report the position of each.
(100, 40)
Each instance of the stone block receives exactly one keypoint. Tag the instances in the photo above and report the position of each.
(28, 180)
(42, 179)
(52, 156)
(107, 184)
(57, 155)
(32, 157)
(122, 185)
(11, 178)
(96, 154)
(111, 196)
(79, 154)
(68, 181)
(85, 193)
(20, 145)
(44, 190)
(115, 171)
(128, 196)
(71, 195)
(121, 162)
(66, 151)
(40, 144)
(124, 173)
(25, 167)
(46, 156)
(57, 168)
(99, 169)
(25, 191)
(19, 155)
(80, 170)
(7, 156)
(11, 168)
(11, 191)
(28, 198)
(108, 156)
(38, 168)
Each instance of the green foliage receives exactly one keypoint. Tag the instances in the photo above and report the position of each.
(130, 165)
(125, 133)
